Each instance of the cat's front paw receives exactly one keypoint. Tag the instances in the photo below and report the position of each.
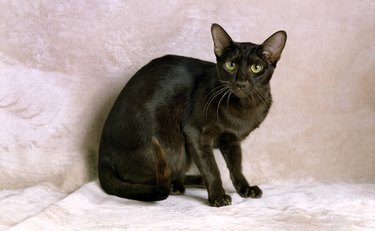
(219, 201)
(250, 191)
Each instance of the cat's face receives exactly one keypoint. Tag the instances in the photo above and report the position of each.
(244, 68)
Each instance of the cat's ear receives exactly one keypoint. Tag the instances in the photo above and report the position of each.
(274, 45)
(221, 39)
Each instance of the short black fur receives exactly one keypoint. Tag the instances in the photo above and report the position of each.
(177, 109)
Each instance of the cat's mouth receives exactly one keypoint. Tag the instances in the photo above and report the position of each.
(241, 89)
(241, 92)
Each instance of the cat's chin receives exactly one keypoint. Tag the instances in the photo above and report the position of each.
(240, 94)
(244, 98)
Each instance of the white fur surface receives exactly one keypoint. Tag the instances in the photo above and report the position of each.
(286, 206)
(63, 63)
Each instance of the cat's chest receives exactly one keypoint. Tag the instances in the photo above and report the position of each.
(241, 121)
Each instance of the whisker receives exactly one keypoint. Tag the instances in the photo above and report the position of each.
(214, 94)
(212, 91)
(252, 97)
(265, 94)
(230, 93)
(218, 104)
(212, 97)
(261, 98)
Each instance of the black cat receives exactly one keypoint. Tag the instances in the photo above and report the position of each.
(177, 109)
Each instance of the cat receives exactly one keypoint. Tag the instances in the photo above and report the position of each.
(176, 110)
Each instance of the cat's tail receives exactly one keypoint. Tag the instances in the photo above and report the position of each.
(163, 172)
(113, 185)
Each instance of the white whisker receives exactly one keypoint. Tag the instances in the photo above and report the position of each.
(262, 98)
(230, 93)
(212, 97)
(218, 104)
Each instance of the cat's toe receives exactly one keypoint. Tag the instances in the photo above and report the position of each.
(220, 201)
(251, 191)
(177, 189)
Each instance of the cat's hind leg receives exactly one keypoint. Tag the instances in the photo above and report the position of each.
(145, 179)
(177, 188)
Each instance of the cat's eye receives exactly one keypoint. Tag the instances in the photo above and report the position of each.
(230, 65)
(255, 68)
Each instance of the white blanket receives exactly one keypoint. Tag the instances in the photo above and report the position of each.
(287, 206)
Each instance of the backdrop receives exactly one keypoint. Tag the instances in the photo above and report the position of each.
(64, 63)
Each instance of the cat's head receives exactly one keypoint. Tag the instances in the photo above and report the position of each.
(245, 67)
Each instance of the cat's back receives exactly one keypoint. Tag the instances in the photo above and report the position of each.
(178, 67)
(178, 61)
(162, 80)
(167, 75)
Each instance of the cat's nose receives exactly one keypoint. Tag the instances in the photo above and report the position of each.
(241, 84)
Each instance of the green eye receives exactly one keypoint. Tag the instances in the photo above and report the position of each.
(230, 65)
(255, 68)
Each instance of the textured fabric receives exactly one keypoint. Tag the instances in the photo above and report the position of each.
(297, 206)
(63, 63)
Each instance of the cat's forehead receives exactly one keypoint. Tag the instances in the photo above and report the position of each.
(245, 50)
